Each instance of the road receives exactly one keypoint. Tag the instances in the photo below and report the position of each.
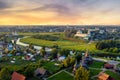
(25, 45)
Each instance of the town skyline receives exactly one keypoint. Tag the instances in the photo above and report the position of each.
(59, 12)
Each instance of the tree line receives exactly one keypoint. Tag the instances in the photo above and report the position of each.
(46, 37)
(109, 46)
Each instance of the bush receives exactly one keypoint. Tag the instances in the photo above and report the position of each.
(64, 52)
(54, 53)
(5, 74)
(69, 62)
(78, 57)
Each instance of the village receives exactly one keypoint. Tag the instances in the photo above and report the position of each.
(30, 62)
(59, 40)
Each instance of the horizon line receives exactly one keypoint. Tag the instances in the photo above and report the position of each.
(60, 25)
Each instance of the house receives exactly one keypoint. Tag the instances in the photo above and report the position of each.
(17, 76)
(87, 59)
(104, 76)
(61, 58)
(29, 56)
(80, 34)
(3, 44)
(40, 72)
(10, 46)
(84, 65)
(84, 62)
(113, 63)
(108, 66)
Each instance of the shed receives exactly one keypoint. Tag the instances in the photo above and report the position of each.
(40, 72)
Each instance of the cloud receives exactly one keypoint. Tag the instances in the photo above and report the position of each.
(3, 5)
(84, 2)
(56, 8)
(59, 9)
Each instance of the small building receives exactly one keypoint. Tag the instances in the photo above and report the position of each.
(113, 63)
(3, 44)
(87, 59)
(84, 65)
(108, 66)
(40, 72)
(80, 34)
(104, 76)
(29, 56)
(61, 58)
(17, 76)
(10, 46)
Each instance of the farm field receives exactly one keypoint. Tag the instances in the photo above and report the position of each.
(62, 44)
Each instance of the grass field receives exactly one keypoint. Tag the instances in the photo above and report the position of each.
(97, 64)
(94, 72)
(63, 44)
(114, 75)
(51, 67)
(61, 76)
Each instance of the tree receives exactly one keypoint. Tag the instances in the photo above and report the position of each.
(31, 46)
(55, 46)
(42, 51)
(115, 50)
(29, 71)
(66, 62)
(40, 62)
(81, 74)
(78, 57)
(64, 52)
(72, 61)
(54, 53)
(70, 33)
(69, 62)
(5, 74)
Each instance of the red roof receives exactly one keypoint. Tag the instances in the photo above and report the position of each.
(108, 65)
(103, 76)
(17, 76)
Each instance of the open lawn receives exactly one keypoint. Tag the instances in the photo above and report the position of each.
(97, 64)
(114, 75)
(94, 72)
(51, 67)
(61, 76)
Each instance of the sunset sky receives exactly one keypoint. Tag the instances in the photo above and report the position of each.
(59, 12)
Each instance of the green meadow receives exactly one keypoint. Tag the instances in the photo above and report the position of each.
(81, 46)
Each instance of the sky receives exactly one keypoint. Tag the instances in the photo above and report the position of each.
(59, 12)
